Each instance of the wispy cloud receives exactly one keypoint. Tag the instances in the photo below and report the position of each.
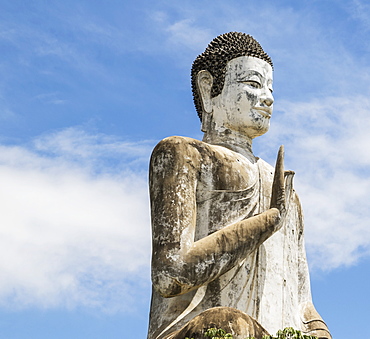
(361, 11)
(182, 34)
(95, 151)
(50, 98)
(71, 237)
(297, 39)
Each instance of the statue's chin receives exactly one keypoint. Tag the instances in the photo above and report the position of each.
(257, 130)
(263, 130)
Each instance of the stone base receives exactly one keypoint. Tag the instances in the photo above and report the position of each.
(233, 321)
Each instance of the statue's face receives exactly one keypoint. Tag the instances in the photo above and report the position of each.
(246, 101)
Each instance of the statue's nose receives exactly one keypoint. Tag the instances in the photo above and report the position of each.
(268, 101)
(266, 98)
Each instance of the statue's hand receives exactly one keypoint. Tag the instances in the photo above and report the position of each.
(278, 188)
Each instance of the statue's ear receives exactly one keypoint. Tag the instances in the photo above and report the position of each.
(204, 82)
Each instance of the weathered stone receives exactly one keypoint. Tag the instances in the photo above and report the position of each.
(227, 227)
(239, 324)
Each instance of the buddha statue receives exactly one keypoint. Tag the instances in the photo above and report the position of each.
(227, 227)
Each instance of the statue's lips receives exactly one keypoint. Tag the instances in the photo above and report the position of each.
(265, 111)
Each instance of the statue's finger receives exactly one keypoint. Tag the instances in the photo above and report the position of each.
(278, 187)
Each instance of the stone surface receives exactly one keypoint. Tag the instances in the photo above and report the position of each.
(227, 227)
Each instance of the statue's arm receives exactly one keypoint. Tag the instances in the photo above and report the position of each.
(178, 263)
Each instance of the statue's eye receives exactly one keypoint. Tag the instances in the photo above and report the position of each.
(254, 84)
(251, 83)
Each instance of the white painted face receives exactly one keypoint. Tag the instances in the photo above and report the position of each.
(245, 103)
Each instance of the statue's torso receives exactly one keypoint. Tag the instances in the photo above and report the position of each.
(230, 188)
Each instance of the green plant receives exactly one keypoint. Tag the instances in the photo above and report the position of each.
(217, 333)
(288, 333)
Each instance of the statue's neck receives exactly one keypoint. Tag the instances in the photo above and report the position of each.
(231, 140)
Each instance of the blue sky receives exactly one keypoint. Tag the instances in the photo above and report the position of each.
(87, 88)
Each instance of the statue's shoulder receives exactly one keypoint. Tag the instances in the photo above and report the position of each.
(179, 146)
(177, 141)
(175, 152)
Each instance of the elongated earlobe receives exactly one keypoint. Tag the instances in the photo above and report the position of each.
(204, 82)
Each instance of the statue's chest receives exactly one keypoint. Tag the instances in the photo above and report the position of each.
(230, 171)
(227, 192)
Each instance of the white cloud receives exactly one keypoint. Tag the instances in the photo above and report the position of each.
(327, 145)
(71, 237)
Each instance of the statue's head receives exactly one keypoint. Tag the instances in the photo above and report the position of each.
(233, 68)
